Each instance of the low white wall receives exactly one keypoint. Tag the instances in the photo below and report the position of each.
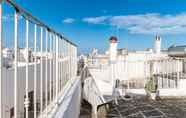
(92, 93)
(165, 92)
(180, 91)
(70, 101)
(182, 84)
(172, 92)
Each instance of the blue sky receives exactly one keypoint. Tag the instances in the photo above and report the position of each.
(89, 23)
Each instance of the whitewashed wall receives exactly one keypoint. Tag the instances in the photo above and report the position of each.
(70, 101)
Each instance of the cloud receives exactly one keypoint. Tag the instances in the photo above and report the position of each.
(146, 23)
(68, 20)
(96, 20)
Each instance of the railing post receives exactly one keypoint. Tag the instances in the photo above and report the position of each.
(166, 73)
(68, 47)
(162, 72)
(54, 64)
(1, 63)
(70, 53)
(35, 71)
(46, 80)
(65, 63)
(76, 60)
(74, 73)
(57, 67)
(72, 60)
(177, 72)
(16, 15)
(61, 63)
(51, 57)
(27, 61)
(41, 73)
(173, 73)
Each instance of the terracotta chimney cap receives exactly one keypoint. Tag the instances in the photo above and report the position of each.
(113, 39)
(158, 37)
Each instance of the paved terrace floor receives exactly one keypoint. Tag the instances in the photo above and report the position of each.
(143, 108)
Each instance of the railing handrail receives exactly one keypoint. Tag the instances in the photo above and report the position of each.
(27, 15)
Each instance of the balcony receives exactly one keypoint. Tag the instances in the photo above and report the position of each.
(38, 68)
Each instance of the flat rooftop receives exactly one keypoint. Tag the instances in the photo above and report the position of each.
(144, 108)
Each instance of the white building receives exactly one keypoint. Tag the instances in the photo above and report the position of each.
(8, 57)
(136, 61)
(23, 55)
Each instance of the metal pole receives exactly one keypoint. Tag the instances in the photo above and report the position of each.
(41, 73)
(163, 72)
(59, 65)
(1, 64)
(74, 73)
(169, 73)
(178, 69)
(72, 64)
(16, 15)
(54, 64)
(167, 78)
(76, 67)
(73, 61)
(65, 63)
(173, 73)
(27, 61)
(35, 72)
(57, 76)
(50, 67)
(69, 60)
(46, 81)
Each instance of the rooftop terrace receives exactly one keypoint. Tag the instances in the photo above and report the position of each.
(144, 108)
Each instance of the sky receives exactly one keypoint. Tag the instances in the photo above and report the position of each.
(90, 23)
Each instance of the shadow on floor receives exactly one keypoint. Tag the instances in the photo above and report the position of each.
(86, 110)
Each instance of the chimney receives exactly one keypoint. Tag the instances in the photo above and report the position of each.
(113, 48)
(157, 45)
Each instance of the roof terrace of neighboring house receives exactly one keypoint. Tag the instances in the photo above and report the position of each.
(177, 51)
(134, 70)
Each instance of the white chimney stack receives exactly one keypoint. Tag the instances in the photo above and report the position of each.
(113, 48)
(157, 45)
(113, 56)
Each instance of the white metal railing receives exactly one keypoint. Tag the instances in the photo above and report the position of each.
(134, 74)
(43, 62)
(168, 72)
